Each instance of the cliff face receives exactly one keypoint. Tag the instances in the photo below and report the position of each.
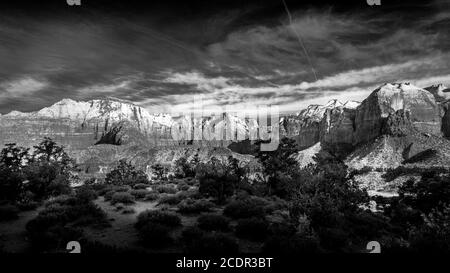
(337, 129)
(389, 98)
(78, 125)
(393, 109)
(442, 95)
(446, 119)
(306, 126)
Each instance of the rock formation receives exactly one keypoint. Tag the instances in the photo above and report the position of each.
(389, 98)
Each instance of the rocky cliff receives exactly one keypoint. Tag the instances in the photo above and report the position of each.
(371, 114)
(341, 127)
(79, 124)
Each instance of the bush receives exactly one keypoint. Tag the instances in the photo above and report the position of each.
(166, 189)
(126, 174)
(213, 222)
(157, 217)
(183, 186)
(121, 188)
(28, 205)
(253, 229)
(191, 181)
(119, 206)
(57, 223)
(244, 208)
(141, 186)
(195, 206)
(108, 195)
(190, 235)
(122, 197)
(155, 235)
(129, 211)
(151, 196)
(104, 190)
(139, 194)
(8, 212)
(210, 244)
(86, 193)
(172, 199)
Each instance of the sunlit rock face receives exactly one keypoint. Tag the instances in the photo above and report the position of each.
(338, 129)
(78, 125)
(305, 126)
(423, 110)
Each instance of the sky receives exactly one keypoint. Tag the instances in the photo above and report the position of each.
(232, 53)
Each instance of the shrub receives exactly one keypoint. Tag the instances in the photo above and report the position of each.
(195, 206)
(86, 193)
(213, 222)
(108, 195)
(157, 217)
(151, 196)
(122, 197)
(191, 181)
(57, 223)
(8, 212)
(126, 174)
(166, 189)
(183, 186)
(171, 199)
(216, 180)
(140, 186)
(121, 188)
(190, 235)
(119, 206)
(253, 229)
(28, 205)
(244, 208)
(129, 211)
(104, 190)
(139, 194)
(211, 244)
(155, 235)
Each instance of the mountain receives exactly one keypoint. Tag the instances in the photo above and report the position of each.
(80, 124)
(306, 127)
(397, 125)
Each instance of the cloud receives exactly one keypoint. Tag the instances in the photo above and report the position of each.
(197, 79)
(109, 88)
(21, 87)
(233, 58)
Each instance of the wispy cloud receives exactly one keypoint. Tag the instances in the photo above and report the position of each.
(21, 87)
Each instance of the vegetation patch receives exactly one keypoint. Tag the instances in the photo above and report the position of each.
(189, 205)
(211, 222)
